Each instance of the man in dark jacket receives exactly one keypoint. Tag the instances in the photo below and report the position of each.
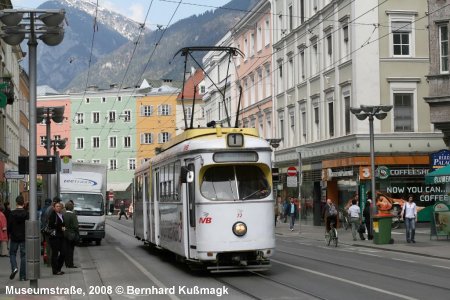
(367, 221)
(71, 234)
(16, 229)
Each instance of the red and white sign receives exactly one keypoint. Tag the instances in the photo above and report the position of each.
(111, 195)
(291, 171)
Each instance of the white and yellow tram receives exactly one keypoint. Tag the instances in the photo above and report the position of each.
(207, 197)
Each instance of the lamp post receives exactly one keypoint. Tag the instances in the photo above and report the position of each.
(57, 144)
(47, 26)
(48, 114)
(362, 113)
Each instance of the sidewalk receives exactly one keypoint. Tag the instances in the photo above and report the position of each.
(423, 246)
(71, 278)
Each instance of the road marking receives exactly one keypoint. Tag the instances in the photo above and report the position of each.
(393, 232)
(406, 260)
(444, 267)
(383, 291)
(146, 273)
(370, 254)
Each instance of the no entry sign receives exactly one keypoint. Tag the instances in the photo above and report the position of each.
(291, 171)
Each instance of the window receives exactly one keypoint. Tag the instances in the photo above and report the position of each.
(259, 39)
(146, 110)
(331, 119)
(268, 82)
(79, 118)
(119, 99)
(164, 137)
(345, 41)
(226, 183)
(188, 111)
(146, 138)
(203, 88)
(96, 161)
(103, 99)
(269, 126)
(57, 137)
(267, 32)
(87, 100)
(113, 164)
(127, 141)
(95, 142)
(302, 64)
(291, 18)
(131, 164)
(304, 125)
(112, 116)
(127, 116)
(347, 114)
(112, 142)
(252, 44)
(292, 128)
(280, 28)
(315, 60)
(80, 160)
(281, 126)
(403, 112)
(302, 11)
(164, 110)
(43, 139)
(95, 117)
(259, 84)
(329, 50)
(280, 77)
(245, 49)
(290, 74)
(80, 143)
(401, 38)
(443, 48)
(316, 123)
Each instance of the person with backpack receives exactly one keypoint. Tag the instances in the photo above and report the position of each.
(355, 219)
(329, 214)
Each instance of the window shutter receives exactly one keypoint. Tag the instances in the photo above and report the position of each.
(159, 137)
(142, 110)
(142, 138)
(151, 110)
(159, 109)
(169, 108)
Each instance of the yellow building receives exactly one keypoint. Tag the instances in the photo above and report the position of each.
(155, 122)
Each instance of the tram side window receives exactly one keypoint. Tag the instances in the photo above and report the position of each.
(219, 183)
(169, 182)
(176, 180)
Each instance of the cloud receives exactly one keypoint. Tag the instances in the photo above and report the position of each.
(137, 12)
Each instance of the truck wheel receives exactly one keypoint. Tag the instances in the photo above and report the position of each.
(98, 242)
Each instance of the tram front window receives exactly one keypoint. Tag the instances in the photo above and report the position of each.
(234, 183)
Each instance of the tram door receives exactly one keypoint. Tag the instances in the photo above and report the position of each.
(155, 191)
(192, 240)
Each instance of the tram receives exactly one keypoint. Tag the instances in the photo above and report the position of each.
(207, 197)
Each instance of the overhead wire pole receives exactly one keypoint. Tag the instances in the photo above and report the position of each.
(225, 89)
(236, 125)
(182, 90)
(193, 106)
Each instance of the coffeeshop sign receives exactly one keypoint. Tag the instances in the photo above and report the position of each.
(383, 172)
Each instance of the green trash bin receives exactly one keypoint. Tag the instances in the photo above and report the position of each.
(382, 230)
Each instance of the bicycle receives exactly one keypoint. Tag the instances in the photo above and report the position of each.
(343, 216)
(331, 237)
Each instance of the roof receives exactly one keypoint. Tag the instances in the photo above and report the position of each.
(44, 90)
(192, 81)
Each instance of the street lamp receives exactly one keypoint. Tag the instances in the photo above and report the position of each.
(47, 26)
(361, 113)
(48, 114)
(56, 143)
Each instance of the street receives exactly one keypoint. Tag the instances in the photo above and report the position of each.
(302, 268)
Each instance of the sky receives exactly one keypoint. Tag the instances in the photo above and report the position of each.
(160, 12)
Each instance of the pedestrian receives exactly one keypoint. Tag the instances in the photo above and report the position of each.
(122, 210)
(56, 223)
(275, 211)
(3, 233)
(71, 234)
(355, 219)
(367, 219)
(44, 221)
(131, 210)
(7, 211)
(292, 213)
(16, 229)
(409, 214)
(285, 210)
(329, 214)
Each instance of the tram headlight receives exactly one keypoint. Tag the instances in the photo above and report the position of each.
(239, 228)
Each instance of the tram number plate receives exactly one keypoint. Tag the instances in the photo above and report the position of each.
(235, 140)
(83, 233)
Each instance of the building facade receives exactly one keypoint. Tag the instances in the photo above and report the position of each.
(104, 131)
(155, 121)
(330, 56)
(252, 35)
(439, 76)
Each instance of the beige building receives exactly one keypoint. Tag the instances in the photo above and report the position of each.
(330, 56)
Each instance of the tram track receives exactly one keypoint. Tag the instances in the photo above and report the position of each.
(328, 262)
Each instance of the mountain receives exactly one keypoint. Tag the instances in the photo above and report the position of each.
(65, 67)
(57, 66)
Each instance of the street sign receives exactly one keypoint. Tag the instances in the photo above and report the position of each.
(291, 181)
(66, 164)
(13, 174)
(291, 171)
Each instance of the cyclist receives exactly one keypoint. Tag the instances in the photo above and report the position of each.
(329, 214)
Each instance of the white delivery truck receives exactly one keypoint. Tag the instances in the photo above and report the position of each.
(86, 187)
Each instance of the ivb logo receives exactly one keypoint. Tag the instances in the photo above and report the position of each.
(206, 219)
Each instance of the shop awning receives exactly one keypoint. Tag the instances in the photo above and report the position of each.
(118, 186)
(441, 175)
